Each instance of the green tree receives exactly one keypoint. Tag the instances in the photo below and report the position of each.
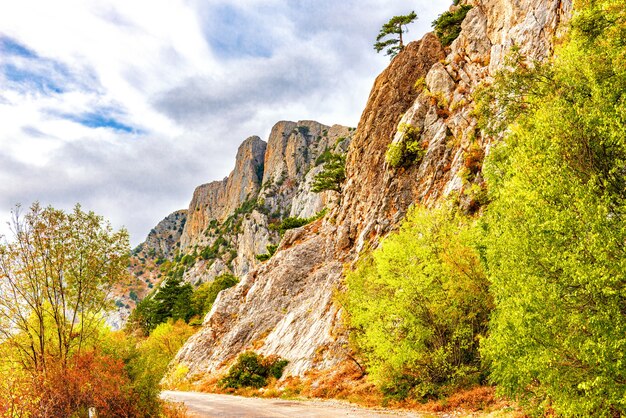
(204, 296)
(56, 273)
(393, 29)
(419, 304)
(557, 228)
(332, 175)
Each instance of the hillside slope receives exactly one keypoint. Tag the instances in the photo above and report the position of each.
(285, 306)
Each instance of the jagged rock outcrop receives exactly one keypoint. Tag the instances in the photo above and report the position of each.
(219, 199)
(163, 240)
(229, 222)
(285, 306)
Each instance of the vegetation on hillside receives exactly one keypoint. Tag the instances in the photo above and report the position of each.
(419, 304)
(332, 175)
(549, 246)
(556, 252)
(448, 25)
(390, 36)
(176, 300)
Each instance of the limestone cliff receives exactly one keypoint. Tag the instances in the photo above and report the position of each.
(163, 240)
(230, 222)
(285, 306)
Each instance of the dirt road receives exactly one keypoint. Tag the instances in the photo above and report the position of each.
(211, 405)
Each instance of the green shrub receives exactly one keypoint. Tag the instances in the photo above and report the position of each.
(253, 370)
(271, 250)
(203, 297)
(418, 306)
(408, 150)
(448, 25)
(295, 222)
(557, 228)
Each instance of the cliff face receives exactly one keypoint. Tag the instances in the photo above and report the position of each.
(285, 306)
(230, 222)
(219, 199)
(163, 240)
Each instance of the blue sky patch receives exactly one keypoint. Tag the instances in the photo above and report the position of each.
(101, 120)
(9, 46)
(27, 72)
(30, 80)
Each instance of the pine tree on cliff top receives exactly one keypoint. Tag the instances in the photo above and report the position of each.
(394, 28)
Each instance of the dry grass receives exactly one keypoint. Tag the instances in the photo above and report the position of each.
(174, 410)
(347, 382)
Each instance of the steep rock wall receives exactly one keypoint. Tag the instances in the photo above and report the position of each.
(218, 199)
(285, 306)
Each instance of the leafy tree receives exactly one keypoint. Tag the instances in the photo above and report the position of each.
(55, 276)
(394, 29)
(332, 175)
(171, 300)
(556, 229)
(147, 360)
(418, 305)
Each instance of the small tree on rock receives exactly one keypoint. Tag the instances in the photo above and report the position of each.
(394, 29)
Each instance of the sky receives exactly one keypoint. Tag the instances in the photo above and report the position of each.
(125, 106)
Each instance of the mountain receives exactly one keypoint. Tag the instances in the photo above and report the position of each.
(285, 306)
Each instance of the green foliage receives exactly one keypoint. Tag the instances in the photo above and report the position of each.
(271, 250)
(253, 370)
(146, 360)
(295, 222)
(448, 25)
(332, 175)
(57, 270)
(171, 300)
(214, 250)
(205, 294)
(324, 157)
(408, 150)
(419, 304)
(394, 29)
(516, 89)
(556, 229)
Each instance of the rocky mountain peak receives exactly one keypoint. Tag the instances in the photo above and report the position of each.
(425, 96)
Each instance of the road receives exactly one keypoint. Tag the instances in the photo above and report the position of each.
(212, 405)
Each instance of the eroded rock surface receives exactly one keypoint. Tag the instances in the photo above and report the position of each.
(285, 306)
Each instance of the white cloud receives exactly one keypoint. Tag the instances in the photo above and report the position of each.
(126, 106)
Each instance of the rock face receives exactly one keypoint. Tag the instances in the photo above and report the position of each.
(163, 239)
(285, 306)
(229, 222)
(219, 199)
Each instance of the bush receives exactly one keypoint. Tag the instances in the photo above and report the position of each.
(408, 150)
(418, 306)
(203, 297)
(448, 25)
(253, 370)
(556, 253)
(295, 222)
(271, 249)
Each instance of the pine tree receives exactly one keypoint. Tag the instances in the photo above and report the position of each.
(394, 28)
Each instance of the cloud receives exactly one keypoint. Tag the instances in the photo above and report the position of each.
(125, 106)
